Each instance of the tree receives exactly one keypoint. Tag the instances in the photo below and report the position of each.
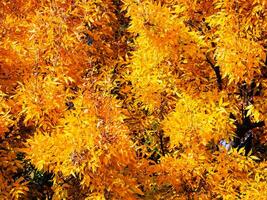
(133, 99)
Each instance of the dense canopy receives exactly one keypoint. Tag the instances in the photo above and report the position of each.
(133, 99)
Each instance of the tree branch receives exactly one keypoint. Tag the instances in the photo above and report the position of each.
(258, 124)
(161, 142)
(217, 72)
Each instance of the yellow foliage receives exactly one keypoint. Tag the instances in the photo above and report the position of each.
(133, 99)
(196, 122)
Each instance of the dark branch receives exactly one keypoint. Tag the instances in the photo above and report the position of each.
(161, 142)
(217, 72)
(258, 124)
